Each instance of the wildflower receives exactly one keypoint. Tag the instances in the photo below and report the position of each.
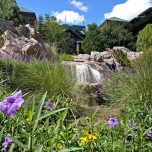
(131, 123)
(88, 137)
(48, 105)
(58, 145)
(149, 134)
(12, 103)
(7, 142)
(112, 122)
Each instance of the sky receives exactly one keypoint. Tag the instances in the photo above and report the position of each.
(84, 12)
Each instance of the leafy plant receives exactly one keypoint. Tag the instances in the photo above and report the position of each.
(93, 40)
(116, 35)
(66, 57)
(52, 32)
(122, 59)
(10, 11)
(41, 76)
(144, 39)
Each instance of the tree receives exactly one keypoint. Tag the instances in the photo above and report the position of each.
(54, 33)
(10, 11)
(40, 27)
(117, 35)
(93, 40)
(144, 40)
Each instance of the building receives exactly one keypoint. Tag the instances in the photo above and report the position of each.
(115, 20)
(77, 34)
(139, 22)
(28, 16)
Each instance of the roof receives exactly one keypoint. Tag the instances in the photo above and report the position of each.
(144, 12)
(22, 9)
(77, 30)
(116, 19)
(76, 27)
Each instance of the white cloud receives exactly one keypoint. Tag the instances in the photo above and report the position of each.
(129, 9)
(79, 5)
(71, 17)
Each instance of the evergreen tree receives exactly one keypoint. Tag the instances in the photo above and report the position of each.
(40, 27)
(144, 40)
(93, 40)
(52, 32)
(117, 35)
(10, 11)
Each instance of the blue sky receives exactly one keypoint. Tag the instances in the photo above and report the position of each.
(85, 12)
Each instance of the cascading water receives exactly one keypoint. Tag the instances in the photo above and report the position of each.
(84, 73)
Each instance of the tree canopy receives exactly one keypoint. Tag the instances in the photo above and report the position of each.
(93, 40)
(144, 40)
(117, 35)
(10, 11)
(109, 36)
(51, 31)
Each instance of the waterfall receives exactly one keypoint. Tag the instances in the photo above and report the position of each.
(84, 73)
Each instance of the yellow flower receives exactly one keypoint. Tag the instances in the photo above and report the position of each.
(88, 137)
(58, 145)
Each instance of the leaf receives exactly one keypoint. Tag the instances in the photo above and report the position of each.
(75, 122)
(70, 149)
(12, 147)
(38, 112)
(40, 148)
(19, 143)
(49, 114)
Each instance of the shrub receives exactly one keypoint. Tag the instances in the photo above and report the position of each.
(42, 76)
(142, 79)
(66, 57)
(144, 39)
(117, 89)
(122, 59)
(114, 35)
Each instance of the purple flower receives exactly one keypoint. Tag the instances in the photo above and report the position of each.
(12, 103)
(48, 105)
(6, 143)
(112, 122)
(131, 123)
(149, 134)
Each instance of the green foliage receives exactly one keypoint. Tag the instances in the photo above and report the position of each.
(10, 11)
(53, 33)
(93, 40)
(11, 71)
(34, 128)
(41, 76)
(142, 79)
(144, 40)
(117, 88)
(116, 35)
(66, 57)
(122, 59)
(137, 81)
(40, 27)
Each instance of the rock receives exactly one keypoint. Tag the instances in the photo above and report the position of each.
(82, 58)
(125, 50)
(110, 63)
(93, 54)
(26, 45)
(133, 55)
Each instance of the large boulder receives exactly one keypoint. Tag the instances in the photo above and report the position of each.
(133, 55)
(82, 58)
(27, 44)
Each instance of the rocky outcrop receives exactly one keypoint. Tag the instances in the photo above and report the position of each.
(23, 41)
(107, 57)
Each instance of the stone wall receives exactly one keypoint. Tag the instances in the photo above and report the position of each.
(5, 24)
